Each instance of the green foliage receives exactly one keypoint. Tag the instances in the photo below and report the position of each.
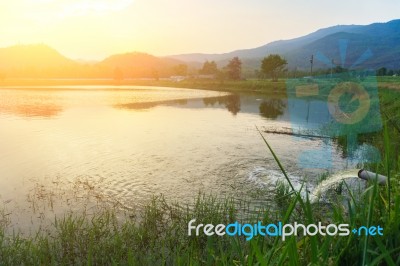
(381, 71)
(339, 69)
(273, 65)
(209, 68)
(234, 68)
(180, 70)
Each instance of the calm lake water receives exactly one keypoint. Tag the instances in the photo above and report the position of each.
(129, 143)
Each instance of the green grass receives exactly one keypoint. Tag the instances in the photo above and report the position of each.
(259, 86)
(249, 86)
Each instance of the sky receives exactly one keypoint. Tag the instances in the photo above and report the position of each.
(95, 29)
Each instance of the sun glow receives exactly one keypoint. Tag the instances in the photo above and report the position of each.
(82, 8)
(95, 29)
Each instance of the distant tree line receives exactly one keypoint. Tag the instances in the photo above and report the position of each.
(233, 70)
(383, 71)
(272, 67)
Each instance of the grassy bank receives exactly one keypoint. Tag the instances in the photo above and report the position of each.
(256, 86)
(157, 234)
(251, 85)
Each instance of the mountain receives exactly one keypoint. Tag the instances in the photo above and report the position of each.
(42, 61)
(141, 64)
(382, 39)
(280, 46)
(38, 55)
(351, 46)
(33, 61)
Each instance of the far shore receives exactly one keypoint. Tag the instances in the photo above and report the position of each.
(247, 86)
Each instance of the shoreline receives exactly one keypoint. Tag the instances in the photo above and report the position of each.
(261, 86)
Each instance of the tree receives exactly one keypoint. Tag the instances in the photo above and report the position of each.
(180, 70)
(154, 74)
(234, 68)
(381, 71)
(339, 69)
(273, 65)
(118, 74)
(209, 68)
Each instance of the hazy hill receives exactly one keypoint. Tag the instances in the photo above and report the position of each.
(141, 64)
(41, 61)
(38, 55)
(383, 39)
(280, 46)
(33, 61)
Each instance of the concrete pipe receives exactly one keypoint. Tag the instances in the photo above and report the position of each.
(370, 176)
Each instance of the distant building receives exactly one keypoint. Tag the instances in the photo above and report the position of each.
(208, 76)
(177, 78)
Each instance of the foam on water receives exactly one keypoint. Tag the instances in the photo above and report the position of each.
(265, 178)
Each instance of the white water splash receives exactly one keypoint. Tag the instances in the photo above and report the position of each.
(265, 178)
(349, 176)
